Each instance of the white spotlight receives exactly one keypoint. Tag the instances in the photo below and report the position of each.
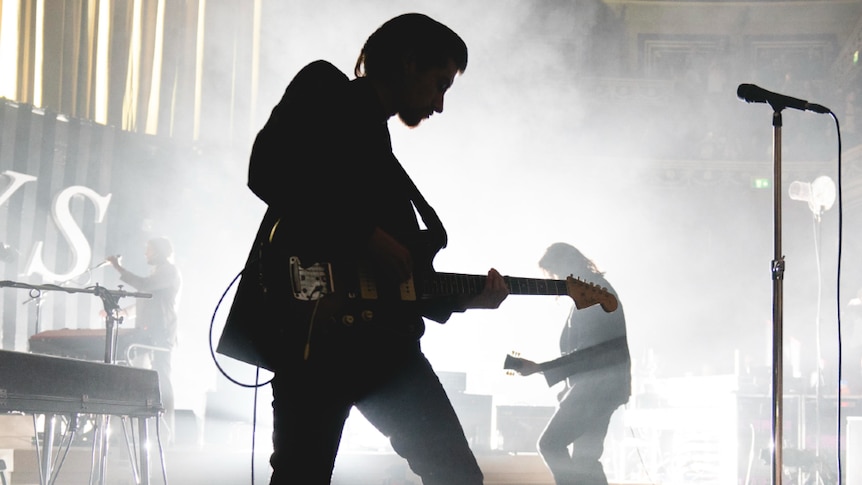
(820, 194)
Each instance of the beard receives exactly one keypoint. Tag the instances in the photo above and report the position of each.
(411, 118)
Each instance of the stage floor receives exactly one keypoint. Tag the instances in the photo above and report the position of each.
(194, 466)
(227, 459)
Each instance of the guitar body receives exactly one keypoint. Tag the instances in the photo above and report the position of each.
(342, 291)
(282, 300)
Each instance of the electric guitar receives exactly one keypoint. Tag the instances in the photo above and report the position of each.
(610, 352)
(514, 363)
(344, 292)
(350, 293)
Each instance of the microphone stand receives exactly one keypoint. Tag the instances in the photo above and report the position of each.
(777, 306)
(110, 299)
(753, 94)
(112, 319)
(37, 297)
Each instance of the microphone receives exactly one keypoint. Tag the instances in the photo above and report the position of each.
(751, 93)
(104, 263)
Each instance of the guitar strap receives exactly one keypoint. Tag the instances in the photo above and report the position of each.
(426, 212)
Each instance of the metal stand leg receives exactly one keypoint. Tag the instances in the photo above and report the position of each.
(144, 438)
(99, 465)
(48, 431)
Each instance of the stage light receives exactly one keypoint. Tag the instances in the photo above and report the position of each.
(819, 194)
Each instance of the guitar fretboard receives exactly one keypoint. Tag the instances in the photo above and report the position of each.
(441, 284)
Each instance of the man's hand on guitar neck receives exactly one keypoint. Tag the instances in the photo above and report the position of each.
(495, 291)
(522, 366)
(395, 259)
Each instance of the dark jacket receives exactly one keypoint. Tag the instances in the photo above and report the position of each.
(323, 163)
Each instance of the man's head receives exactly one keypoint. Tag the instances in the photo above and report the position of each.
(159, 250)
(414, 59)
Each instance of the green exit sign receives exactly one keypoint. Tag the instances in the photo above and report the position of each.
(761, 183)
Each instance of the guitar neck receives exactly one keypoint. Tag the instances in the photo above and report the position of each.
(455, 284)
(517, 363)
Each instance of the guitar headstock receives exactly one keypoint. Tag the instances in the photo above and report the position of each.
(588, 294)
(513, 363)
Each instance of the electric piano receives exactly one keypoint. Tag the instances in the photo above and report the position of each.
(42, 384)
(81, 343)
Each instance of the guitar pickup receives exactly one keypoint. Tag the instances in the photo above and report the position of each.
(311, 283)
(368, 290)
(366, 283)
(407, 290)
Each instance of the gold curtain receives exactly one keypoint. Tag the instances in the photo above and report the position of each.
(154, 68)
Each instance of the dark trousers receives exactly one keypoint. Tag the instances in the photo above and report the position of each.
(400, 395)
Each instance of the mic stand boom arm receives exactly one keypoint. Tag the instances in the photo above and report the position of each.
(110, 300)
(95, 290)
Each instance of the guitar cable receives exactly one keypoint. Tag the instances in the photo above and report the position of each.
(257, 384)
(307, 350)
(212, 348)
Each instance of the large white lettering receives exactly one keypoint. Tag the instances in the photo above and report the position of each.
(81, 251)
(18, 179)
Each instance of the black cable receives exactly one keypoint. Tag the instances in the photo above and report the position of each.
(254, 422)
(212, 348)
(257, 384)
(838, 298)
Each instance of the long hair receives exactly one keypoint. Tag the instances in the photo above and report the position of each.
(410, 36)
(563, 259)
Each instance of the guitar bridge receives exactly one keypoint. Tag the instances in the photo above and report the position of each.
(311, 283)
